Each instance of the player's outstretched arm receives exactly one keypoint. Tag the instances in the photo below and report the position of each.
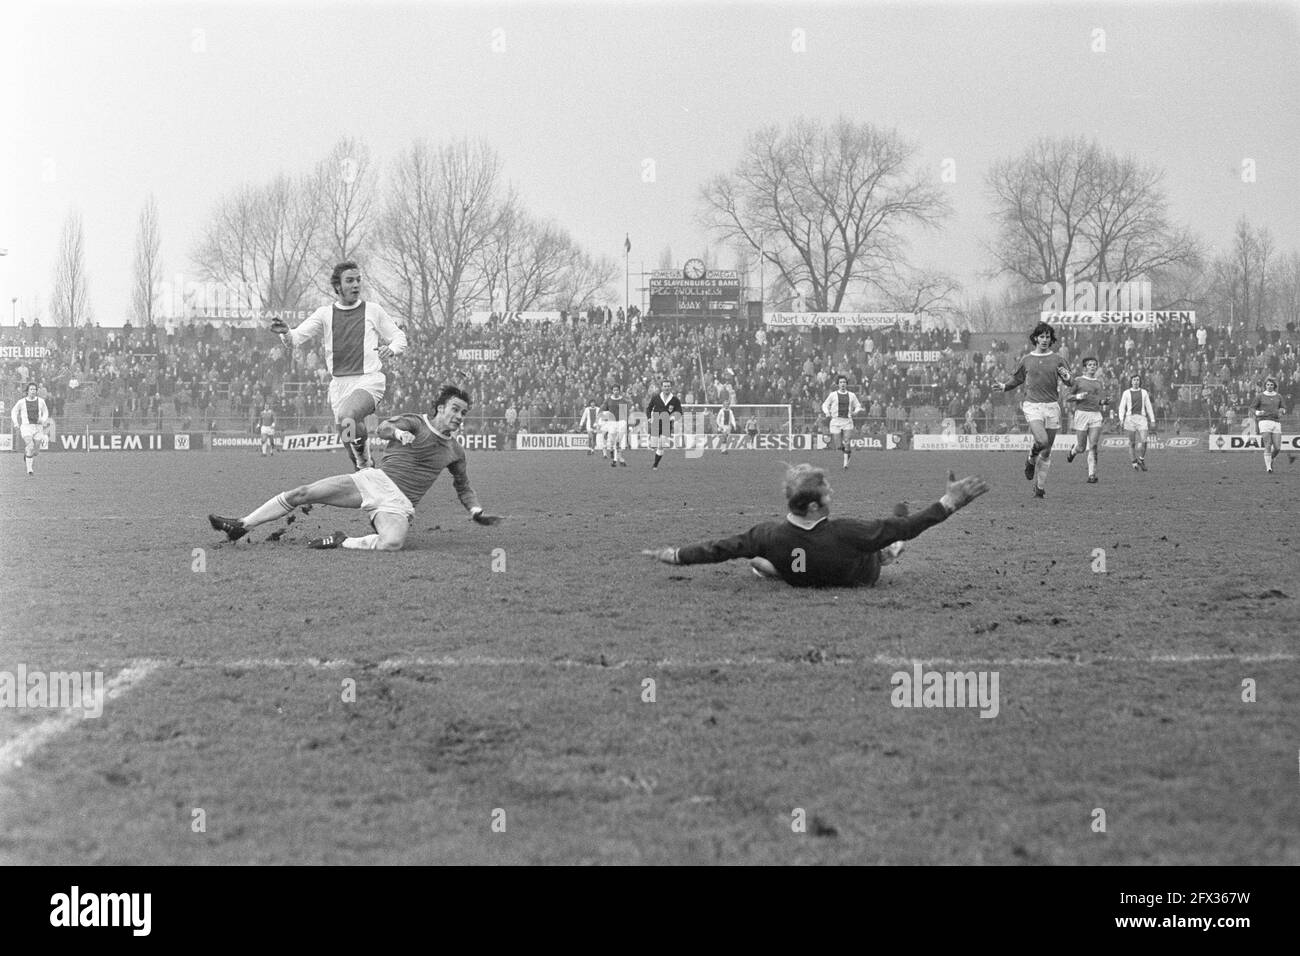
(962, 492)
(479, 516)
(666, 555)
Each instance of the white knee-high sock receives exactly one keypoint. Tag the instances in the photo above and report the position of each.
(273, 510)
(1092, 461)
(1040, 474)
(369, 543)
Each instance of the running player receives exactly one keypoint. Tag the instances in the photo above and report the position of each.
(1268, 413)
(751, 433)
(1040, 371)
(811, 549)
(1136, 413)
(614, 414)
(31, 417)
(590, 423)
(840, 407)
(1089, 406)
(268, 431)
(419, 449)
(358, 336)
(664, 416)
(726, 422)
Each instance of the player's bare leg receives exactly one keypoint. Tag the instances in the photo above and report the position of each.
(29, 455)
(390, 535)
(352, 414)
(1042, 441)
(1094, 452)
(845, 435)
(1272, 444)
(1141, 437)
(1041, 457)
(337, 490)
(1080, 445)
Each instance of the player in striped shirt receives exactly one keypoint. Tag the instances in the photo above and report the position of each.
(811, 549)
(1136, 413)
(358, 337)
(726, 422)
(1041, 371)
(419, 449)
(613, 415)
(590, 423)
(1089, 407)
(1268, 413)
(840, 407)
(31, 417)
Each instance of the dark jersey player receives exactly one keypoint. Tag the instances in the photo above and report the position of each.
(811, 549)
(1041, 371)
(663, 419)
(419, 449)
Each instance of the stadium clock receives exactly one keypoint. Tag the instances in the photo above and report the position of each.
(693, 269)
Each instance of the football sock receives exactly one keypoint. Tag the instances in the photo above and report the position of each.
(1092, 461)
(273, 510)
(658, 455)
(359, 451)
(1040, 475)
(369, 543)
(1036, 450)
(29, 459)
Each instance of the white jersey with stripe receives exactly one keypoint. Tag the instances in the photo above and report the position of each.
(21, 418)
(380, 329)
(1139, 404)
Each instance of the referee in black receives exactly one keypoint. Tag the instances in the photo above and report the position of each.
(663, 410)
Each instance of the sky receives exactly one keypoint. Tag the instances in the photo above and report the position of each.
(107, 103)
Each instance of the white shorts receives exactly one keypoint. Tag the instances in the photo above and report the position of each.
(1135, 423)
(616, 429)
(342, 387)
(1269, 427)
(725, 430)
(841, 424)
(659, 442)
(31, 432)
(268, 431)
(1085, 420)
(380, 494)
(1049, 413)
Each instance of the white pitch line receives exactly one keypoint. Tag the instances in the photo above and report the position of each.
(878, 660)
(13, 752)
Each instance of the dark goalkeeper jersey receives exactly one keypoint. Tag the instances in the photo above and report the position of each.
(416, 466)
(835, 552)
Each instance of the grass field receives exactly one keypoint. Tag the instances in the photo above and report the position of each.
(521, 690)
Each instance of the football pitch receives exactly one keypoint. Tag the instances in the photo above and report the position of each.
(539, 692)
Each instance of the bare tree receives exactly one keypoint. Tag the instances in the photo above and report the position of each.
(346, 184)
(70, 302)
(827, 208)
(923, 292)
(585, 282)
(1288, 291)
(441, 214)
(666, 261)
(259, 244)
(1242, 285)
(148, 264)
(1066, 209)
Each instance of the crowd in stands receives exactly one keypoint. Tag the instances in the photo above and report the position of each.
(538, 376)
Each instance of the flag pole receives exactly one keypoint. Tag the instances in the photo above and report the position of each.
(627, 251)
